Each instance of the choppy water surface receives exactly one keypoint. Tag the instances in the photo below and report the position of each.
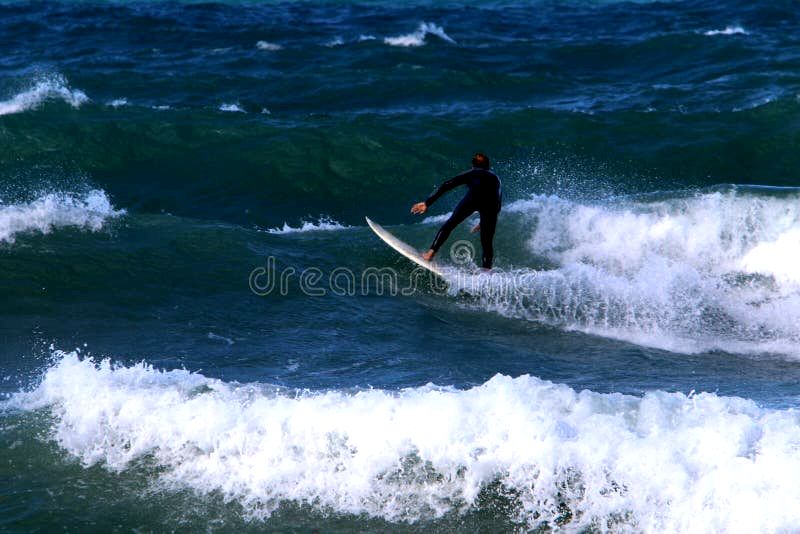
(631, 365)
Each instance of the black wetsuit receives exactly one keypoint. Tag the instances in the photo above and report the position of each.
(484, 196)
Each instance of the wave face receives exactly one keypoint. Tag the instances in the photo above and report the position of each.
(51, 211)
(663, 462)
(261, 111)
(708, 271)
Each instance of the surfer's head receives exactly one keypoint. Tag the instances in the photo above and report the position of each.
(481, 161)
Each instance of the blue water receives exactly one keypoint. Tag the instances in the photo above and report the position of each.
(630, 365)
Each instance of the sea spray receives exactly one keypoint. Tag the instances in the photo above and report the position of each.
(90, 211)
(710, 271)
(43, 88)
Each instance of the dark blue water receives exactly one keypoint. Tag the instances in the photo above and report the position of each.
(630, 364)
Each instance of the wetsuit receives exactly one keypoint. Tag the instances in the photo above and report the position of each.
(484, 195)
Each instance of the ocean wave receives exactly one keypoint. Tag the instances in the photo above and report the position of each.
(233, 107)
(53, 87)
(712, 271)
(759, 99)
(552, 455)
(729, 30)
(270, 47)
(322, 224)
(336, 41)
(417, 38)
(56, 210)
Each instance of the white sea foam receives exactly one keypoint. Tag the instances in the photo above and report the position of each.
(232, 108)
(729, 30)
(778, 257)
(666, 462)
(436, 219)
(118, 102)
(322, 224)
(56, 210)
(366, 37)
(417, 38)
(52, 87)
(712, 271)
(270, 47)
(336, 41)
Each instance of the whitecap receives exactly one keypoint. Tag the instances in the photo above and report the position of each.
(232, 108)
(56, 210)
(729, 30)
(270, 47)
(51, 87)
(322, 224)
(417, 38)
(336, 41)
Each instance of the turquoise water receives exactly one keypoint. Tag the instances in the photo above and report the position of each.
(631, 364)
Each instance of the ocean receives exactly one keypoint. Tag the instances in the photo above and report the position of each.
(199, 332)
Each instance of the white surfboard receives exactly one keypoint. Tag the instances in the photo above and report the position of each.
(404, 248)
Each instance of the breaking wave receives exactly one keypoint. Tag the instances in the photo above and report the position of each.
(56, 210)
(552, 455)
(54, 87)
(417, 38)
(711, 271)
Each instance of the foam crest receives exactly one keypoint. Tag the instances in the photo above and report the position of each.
(56, 210)
(417, 38)
(269, 47)
(729, 30)
(336, 41)
(664, 462)
(46, 88)
(704, 272)
(321, 224)
(233, 107)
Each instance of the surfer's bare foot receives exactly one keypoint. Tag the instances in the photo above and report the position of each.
(428, 256)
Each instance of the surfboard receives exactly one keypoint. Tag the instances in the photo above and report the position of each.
(403, 248)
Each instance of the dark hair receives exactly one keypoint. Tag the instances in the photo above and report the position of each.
(481, 161)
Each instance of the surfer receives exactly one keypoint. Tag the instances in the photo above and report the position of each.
(484, 195)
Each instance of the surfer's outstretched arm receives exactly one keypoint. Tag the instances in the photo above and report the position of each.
(452, 183)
